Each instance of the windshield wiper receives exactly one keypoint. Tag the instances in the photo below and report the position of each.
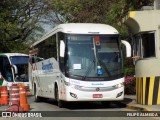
(88, 70)
(103, 66)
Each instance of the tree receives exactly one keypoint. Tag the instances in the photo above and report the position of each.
(95, 11)
(19, 18)
(79, 10)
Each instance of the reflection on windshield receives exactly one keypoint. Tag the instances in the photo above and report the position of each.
(86, 53)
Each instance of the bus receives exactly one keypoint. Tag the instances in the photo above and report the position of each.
(78, 62)
(14, 69)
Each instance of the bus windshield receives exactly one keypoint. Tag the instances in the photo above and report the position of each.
(94, 56)
(22, 65)
(16, 60)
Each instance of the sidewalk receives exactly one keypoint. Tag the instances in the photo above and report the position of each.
(130, 102)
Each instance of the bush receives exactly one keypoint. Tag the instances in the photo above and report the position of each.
(129, 71)
(130, 85)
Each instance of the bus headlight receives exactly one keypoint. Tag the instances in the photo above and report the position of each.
(77, 87)
(119, 85)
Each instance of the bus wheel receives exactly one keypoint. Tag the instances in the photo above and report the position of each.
(36, 98)
(59, 102)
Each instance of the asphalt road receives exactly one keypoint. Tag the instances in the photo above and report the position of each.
(74, 111)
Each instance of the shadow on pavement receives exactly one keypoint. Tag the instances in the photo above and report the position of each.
(87, 105)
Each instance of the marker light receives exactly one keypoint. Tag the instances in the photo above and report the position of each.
(97, 40)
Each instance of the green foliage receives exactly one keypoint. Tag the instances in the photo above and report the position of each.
(80, 10)
(18, 20)
(129, 71)
(95, 11)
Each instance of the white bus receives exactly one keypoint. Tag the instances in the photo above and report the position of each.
(78, 62)
(14, 69)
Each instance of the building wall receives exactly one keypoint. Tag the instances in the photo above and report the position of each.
(142, 21)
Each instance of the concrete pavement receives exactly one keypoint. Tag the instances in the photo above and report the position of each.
(130, 102)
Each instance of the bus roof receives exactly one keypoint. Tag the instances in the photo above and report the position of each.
(80, 28)
(12, 54)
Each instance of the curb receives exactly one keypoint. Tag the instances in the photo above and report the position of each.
(134, 107)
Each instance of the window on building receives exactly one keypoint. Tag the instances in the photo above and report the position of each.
(137, 46)
(144, 45)
(148, 45)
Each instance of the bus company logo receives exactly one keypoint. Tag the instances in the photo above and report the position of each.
(47, 67)
(99, 84)
(97, 89)
(75, 82)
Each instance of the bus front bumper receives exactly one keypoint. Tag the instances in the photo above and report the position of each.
(72, 94)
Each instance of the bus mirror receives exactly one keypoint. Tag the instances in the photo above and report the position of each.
(128, 48)
(62, 48)
(15, 69)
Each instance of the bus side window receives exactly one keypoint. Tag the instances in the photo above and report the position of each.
(47, 49)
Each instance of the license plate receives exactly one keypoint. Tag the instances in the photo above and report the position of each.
(97, 96)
